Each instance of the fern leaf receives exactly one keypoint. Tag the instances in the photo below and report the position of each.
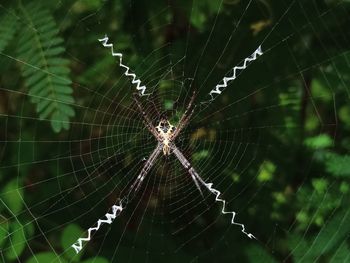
(45, 72)
(8, 26)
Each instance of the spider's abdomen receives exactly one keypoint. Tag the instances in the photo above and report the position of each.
(165, 130)
(166, 149)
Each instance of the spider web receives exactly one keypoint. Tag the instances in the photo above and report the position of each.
(241, 141)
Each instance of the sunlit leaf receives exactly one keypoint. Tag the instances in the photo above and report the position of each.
(267, 170)
(16, 240)
(320, 185)
(338, 165)
(69, 236)
(12, 196)
(319, 142)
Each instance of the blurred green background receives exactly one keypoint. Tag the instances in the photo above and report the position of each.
(276, 142)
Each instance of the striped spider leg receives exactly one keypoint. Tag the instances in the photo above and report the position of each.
(187, 165)
(147, 166)
(184, 118)
(147, 121)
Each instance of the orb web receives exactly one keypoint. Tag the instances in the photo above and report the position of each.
(272, 142)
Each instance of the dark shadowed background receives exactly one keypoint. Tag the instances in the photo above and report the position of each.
(275, 142)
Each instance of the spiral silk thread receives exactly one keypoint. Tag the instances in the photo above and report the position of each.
(141, 89)
(217, 194)
(220, 87)
(116, 210)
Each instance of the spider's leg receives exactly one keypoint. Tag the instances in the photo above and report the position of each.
(210, 187)
(184, 118)
(147, 120)
(186, 164)
(118, 208)
(182, 124)
(145, 169)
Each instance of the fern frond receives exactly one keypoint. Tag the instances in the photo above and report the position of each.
(8, 26)
(45, 72)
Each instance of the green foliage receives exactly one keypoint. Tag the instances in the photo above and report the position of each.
(338, 165)
(267, 170)
(202, 10)
(4, 228)
(321, 141)
(11, 197)
(341, 254)
(258, 254)
(69, 236)
(17, 239)
(198, 156)
(46, 73)
(13, 234)
(276, 142)
(45, 257)
(321, 200)
(8, 26)
(320, 88)
(331, 236)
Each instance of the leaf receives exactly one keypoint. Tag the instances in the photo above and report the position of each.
(342, 254)
(321, 89)
(12, 197)
(267, 170)
(4, 226)
(69, 236)
(202, 10)
(8, 26)
(46, 74)
(45, 257)
(17, 240)
(197, 156)
(338, 165)
(344, 115)
(299, 247)
(321, 141)
(333, 233)
(320, 185)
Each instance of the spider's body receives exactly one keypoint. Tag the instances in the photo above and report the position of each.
(165, 131)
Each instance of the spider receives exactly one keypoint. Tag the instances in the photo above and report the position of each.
(166, 133)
